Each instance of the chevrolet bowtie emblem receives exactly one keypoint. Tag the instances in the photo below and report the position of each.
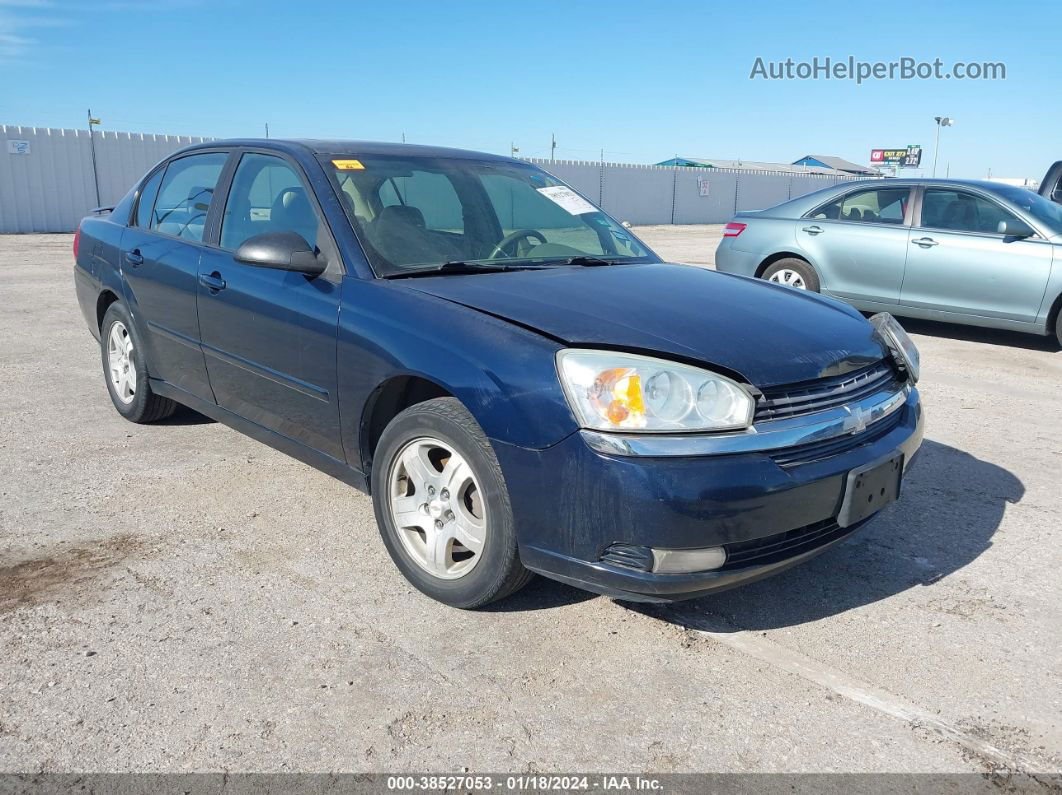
(856, 421)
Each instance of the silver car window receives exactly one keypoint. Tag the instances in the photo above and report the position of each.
(959, 211)
(875, 206)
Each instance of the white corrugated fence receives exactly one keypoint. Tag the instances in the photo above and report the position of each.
(46, 175)
(47, 181)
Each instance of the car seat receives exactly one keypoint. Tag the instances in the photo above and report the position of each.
(292, 212)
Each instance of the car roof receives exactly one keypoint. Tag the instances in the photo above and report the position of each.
(927, 181)
(345, 147)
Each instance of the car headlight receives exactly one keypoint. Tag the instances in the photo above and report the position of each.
(611, 391)
(901, 345)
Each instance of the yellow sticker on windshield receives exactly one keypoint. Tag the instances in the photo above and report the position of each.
(348, 165)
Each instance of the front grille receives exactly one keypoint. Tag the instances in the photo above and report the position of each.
(781, 546)
(817, 451)
(629, 556)
(796, 400)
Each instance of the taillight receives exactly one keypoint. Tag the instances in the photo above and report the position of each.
(77, 242)
(733, 229)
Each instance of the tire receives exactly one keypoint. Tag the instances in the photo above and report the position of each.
(1058, 327)
(414, 508)
(777, 272)
(131, 396)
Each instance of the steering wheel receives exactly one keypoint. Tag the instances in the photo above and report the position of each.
(512, 237)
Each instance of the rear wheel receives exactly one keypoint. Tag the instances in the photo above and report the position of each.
(126, 372)
(1058, 327)
(443, 507)
(793, 272)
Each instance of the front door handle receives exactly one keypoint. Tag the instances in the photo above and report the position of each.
(925, 242)
(814, 230)
(213, 282)
(134, 258)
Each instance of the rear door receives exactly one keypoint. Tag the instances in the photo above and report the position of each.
(959, 263)
(858, 243)
(160, 262)
(270, 335)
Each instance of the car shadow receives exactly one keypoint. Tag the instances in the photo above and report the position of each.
(540, 594)
(951, 505)
(987, 336)
(185, 416)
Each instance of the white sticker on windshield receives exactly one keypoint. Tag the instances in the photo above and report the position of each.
(568, 199)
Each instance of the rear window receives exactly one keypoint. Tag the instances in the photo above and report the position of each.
(146, 201)
(185, 195)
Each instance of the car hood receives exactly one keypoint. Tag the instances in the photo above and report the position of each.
(766, 333)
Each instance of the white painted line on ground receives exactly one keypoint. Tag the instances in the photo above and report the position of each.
(866, 694)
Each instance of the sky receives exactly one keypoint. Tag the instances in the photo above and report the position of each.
(642, 81)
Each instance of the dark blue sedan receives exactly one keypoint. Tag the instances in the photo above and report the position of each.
(519, 382)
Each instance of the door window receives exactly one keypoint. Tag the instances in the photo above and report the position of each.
(146, 201)
(878, 206)
(267, 196)
(184, 197)
(959, 211)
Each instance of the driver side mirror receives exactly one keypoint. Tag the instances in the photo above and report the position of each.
(1014, 227)
(287, 251)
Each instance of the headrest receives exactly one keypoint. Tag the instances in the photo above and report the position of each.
(401, 214)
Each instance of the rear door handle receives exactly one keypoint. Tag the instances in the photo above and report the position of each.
(134, 258)
(213, 282)
(925, 242)
(814, 230)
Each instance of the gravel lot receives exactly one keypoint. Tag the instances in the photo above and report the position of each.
(178, 597)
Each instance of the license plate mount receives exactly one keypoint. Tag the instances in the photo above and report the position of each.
(870, 488)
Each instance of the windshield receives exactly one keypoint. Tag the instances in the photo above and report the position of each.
(1036, 205)
(419, 213)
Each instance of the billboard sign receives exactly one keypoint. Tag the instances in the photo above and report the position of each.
(909, 157)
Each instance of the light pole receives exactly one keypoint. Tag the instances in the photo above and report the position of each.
(942, 121)
(92, 147)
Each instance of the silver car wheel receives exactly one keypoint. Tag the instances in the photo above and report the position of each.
(789, 278)
(437, 508)
(120, 366)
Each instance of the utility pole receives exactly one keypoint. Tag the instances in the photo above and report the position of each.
(552, 146)
(92, 147)
(513, 148)
(267, 130)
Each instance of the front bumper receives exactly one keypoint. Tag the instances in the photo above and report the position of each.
(571, 504)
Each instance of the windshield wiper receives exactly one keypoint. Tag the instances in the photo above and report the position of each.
(587, 261)
(456, 266)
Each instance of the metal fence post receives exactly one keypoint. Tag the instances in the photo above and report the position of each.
(674, 191)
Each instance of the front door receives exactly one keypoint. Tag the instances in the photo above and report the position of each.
(161, 265)
(958, 261)
(269, 335)
(858, 242)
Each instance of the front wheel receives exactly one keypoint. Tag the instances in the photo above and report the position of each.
(443, 507)
(126, 372)
(793, 272)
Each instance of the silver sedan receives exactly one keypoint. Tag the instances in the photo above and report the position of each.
(961, 251)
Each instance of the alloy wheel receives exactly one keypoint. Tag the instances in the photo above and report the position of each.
(120, 366)
(437, 507)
